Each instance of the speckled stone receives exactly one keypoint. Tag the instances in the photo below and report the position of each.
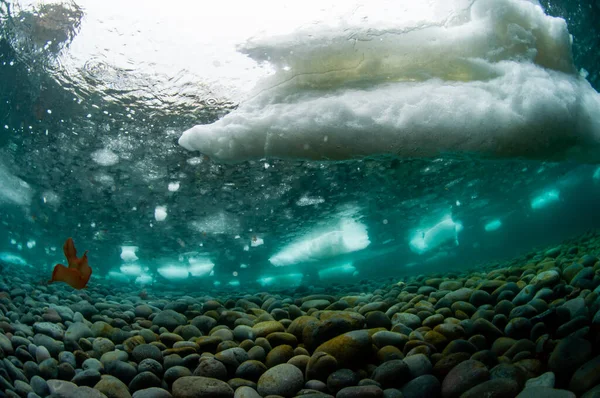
(285, 380)
(197, 386)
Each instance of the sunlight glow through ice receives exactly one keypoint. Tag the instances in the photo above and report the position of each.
(131, 269)
(105, 157)
(349, 236)
(545, 199)
(173, 272)
(493, 225)
(160, 213)
(12, 258)
(128, 253)
(425, 239)
(337, 271)
(13, 190)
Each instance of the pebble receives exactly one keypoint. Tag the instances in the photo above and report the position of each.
(463, 377)
(144, 380)
(424, 386)
(459, 334)
(569, 354)
(586, 376)
(77, 330)
(87, 378)
(145, 351)
(545, 392)
(348, 348)
(545, 380)
(169, 319)
(66, 389)
(284, 379)
(246, 392)
(198, 386)
(112, 387)
(360, 392)
(152, 392)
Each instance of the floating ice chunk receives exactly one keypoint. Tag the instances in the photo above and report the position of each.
(105, 157)
(12, 258)
(144, 279)
(287, 280)
(308, 201)
(31, 244)
(13, 190)
(118, 276)
(160, 213)
(217, 283)
(194, 161)
(337, 271)
(131, 269)
(493, 225)
(349, 236)
(13, 242)
(51, 198)
(173, 272)
(234, 283)
(596, 175)
(545, 199)
(488, 77)
(200, 266)
(256, 241)
(266, 280)
(446, 230)
(243, 266)
(128, 253)
(173, 186)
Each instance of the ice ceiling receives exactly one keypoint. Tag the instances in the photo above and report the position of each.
(275, 143)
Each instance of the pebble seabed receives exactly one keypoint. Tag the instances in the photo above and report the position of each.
(529, 327)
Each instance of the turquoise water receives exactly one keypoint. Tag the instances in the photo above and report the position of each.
(318, 156)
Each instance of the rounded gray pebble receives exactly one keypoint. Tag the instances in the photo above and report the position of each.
(152, 392)
(284, 379)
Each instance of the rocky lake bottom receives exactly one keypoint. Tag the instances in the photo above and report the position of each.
(528, 327)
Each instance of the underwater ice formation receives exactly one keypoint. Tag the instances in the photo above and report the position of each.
(200, 266)
(287, 280)
(347, 237)
(160, 213)
(11, 258)
(336, 272)
(493, 78)
(546, 198)
(493, 225)
(13, 190)
(105, 157)
(128, 253)
(426, 239)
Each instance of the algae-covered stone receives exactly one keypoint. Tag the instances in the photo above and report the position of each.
(350, 348)
(263, 329)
